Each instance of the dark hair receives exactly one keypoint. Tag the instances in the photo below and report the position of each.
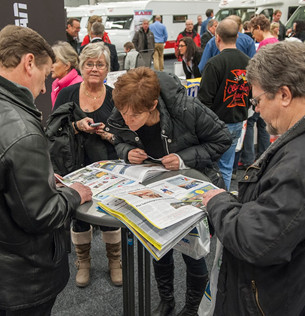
(16, 41)
(129, 45)
(300, 26)
(71, 20)
(191, 47)
(137, 89)
(209, 12)
(277, 11)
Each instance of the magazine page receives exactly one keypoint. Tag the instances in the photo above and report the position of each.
(160, 209)
(185, 189)
(131, 171)
(158, 237)
(157, 242)
(98, 180)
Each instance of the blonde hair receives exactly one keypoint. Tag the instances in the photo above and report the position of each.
(92, 19)
(66, 54)
(273, 26)
(94, 50)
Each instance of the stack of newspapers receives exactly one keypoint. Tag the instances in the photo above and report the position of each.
(159, 214)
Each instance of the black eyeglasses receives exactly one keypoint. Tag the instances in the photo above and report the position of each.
(181, 45)
(255, 101)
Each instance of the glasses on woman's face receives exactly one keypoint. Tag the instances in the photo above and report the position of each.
(255, 101)
(98, 65)
(181, 45)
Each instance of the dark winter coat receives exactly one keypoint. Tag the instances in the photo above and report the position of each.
(34, 264)
(195, 70)
(188, 128)
(140, 42)
(262, 271)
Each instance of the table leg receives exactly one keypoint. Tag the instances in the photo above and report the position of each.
(147, 283)
(124, 235)
(131, 287)
(140, 279)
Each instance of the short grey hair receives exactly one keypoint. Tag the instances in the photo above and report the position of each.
(211, 23)
(277, 65)
(66, 54)
(94, 50)
(97, 29)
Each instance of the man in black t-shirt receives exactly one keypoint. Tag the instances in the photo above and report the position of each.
(224, 89)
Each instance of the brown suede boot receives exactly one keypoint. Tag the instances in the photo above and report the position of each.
(113, 249)
(82, 243)
(115, 268)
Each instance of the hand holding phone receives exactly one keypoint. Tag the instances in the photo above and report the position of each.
(96, 124)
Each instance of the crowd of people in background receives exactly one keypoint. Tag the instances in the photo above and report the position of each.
(243, 69)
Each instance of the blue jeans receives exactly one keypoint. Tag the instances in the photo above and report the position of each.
(263, 139)
(226, 161)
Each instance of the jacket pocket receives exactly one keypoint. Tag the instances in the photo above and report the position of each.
(250, 300)
(59, 244)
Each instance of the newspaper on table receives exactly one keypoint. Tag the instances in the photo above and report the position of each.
(151, 211)
(102, 175)
(159, 214)
(137, 173)
(157, 241)
(160, 209)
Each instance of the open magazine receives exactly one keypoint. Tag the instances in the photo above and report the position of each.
(138, 173)
(159, 214)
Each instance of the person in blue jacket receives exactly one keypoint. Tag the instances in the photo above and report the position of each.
(244, 43)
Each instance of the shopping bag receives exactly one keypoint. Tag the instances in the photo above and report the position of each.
(196, 243)
(207, 304)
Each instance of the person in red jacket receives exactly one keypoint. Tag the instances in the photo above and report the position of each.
(92, 19)
(188, 32)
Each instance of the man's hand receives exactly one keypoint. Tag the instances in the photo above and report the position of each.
(83, 190)
(210, 194)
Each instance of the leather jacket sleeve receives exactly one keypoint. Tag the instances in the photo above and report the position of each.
(31, 194)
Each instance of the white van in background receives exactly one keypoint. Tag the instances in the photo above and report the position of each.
(247, 8)
(298, 15)
(118, 17)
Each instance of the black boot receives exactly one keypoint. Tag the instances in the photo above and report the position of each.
(164, 275)
(195, 286)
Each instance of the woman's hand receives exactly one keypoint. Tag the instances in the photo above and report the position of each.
(84, 125)
(171, 162)
(137, 156)
(210, 194)
(99, 130)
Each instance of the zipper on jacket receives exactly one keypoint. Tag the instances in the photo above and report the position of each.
(165, 140)
(255, 292)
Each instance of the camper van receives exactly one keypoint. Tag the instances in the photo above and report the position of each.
(247, 8)
(298, 15)
(122, 18)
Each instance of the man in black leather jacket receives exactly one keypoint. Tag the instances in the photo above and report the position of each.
(33, 259)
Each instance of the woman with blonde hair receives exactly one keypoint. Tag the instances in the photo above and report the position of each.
(92, 19)
(89, 102)
(275, 29)
(65, 69)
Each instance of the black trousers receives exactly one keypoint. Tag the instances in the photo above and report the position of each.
(40, 310)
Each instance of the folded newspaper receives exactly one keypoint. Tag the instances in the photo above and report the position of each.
(159, 214)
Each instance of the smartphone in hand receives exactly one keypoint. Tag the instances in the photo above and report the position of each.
(96, 124)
